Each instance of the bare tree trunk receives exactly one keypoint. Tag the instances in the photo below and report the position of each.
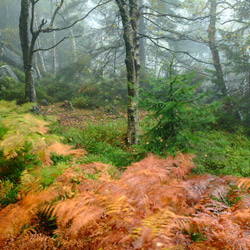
(74, 48)
(248, 89)
(41, 58)
(54, 55)
(30, 95)
(39, 53)
(142, 52)
(26, 25)
(7, 11)
(54, 43)
(33, 90)
(129, 12)
(213, 48)
(36, 68)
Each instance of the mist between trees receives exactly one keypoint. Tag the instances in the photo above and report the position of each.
(107, 50)
(124, 124)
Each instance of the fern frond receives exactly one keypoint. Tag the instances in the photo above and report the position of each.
(243, 184)
(153, 205)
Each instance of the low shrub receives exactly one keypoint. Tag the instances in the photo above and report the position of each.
(10, 90)
(84, 102)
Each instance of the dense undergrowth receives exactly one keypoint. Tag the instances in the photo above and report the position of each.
(78, 86)
(216, 151)
(54, 194)
(26, 145)
(104, 142)
(153, 204)
(223, 153)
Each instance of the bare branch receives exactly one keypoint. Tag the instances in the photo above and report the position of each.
(159, 14)
(49, 29)
(33, 3)
(174, 51)
(52, 47)
(55, 13)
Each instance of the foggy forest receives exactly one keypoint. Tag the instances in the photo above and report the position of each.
(125, 124)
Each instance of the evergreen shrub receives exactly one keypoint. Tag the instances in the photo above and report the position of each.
(175, 111)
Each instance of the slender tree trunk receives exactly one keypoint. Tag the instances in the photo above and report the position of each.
(74, 48)
(213, 47)
(36, 68)
(7, 11)
(249, 83)
(54, 42)
(41, 58)
(27, 49)
(27, 57)
(39, 53)
(130, 19)
(54, 55)
(24, 38)
(142, 52)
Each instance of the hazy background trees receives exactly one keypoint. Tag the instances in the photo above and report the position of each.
(207, 37)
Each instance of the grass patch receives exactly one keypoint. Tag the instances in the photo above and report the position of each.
(222, 153)
(103, 142)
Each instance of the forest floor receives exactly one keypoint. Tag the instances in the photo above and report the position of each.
(78, 118)
(82, 198)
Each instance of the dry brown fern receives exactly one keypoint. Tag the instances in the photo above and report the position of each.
(153, 205)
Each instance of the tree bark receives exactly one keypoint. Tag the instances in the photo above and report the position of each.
(30, 95)
(36, 68)
(54, 55)
(7, 11)
(74, 48)
(142, 30)
(39, 53)
(129, 11)
(54, 43)
(213, 48)
(26, 25)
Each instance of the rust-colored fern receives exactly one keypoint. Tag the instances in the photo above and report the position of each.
(152, 205)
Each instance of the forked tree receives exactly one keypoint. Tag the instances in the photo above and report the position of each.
(29, 34)
(26, 27)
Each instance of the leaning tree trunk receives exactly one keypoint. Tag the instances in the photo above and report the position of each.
(213, 48)
(130, 20)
